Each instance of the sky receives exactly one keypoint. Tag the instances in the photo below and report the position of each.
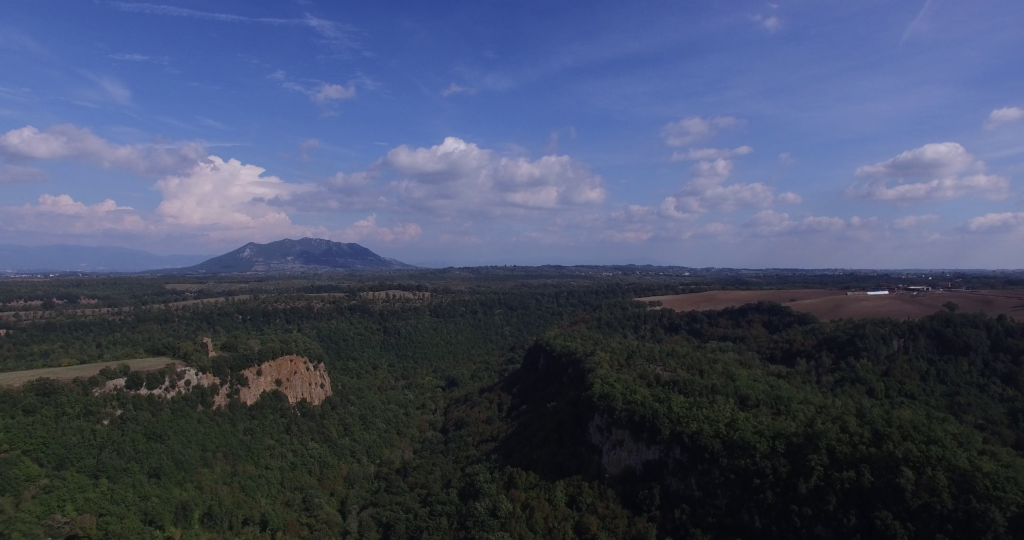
(803, 133)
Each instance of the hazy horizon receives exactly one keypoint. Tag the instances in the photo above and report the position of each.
(790, 134)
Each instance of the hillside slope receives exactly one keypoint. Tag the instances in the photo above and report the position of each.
(760, 422)
(304, 255)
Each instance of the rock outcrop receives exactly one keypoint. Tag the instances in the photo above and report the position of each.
(294, 376)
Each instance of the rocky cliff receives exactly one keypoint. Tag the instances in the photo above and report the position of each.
(295, 377)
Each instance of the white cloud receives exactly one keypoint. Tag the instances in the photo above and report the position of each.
(769, 223)
(695, 154)
(335, 34)
(948, 172)
(996, 222)
(227, 198)
(457, 176)
(13, 174)
(341, 192)
(708, 191)
(672, 209)
(68, 142)
(912, 222)
(789, 198)
(333, 92)
(454, 88)
(62, 214)
(771, 23)
(368, 229)
(786, 158)
(1005, 115)
(629, 237)
(109, 89)
(135, 57)
(222, 201)
(694, 128)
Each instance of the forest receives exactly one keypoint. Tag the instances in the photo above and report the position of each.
(500, 406)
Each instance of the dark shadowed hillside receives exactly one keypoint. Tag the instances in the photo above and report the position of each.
(305, 255)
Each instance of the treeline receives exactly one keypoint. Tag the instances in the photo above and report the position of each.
(541, 411)
(761, 422)
(374, 461)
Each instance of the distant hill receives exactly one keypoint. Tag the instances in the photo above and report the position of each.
(61, 258)
(305, 255)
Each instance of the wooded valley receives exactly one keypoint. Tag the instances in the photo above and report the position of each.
(517, 408)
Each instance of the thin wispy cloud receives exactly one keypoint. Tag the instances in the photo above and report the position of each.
(333, 33)
(455, 88)
(917, 23)
(107, 89)
(135, 57)
(771, 23)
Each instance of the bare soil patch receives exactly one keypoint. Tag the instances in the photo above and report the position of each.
(831, 304)
(18, 378)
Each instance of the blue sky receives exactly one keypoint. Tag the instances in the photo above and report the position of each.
(701, 133)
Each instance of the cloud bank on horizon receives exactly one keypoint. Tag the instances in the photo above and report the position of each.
(785, 134)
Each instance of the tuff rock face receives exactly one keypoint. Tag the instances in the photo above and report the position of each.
(296, 377)
(299, 380)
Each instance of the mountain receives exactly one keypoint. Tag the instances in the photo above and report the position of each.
(305, 255)
(61, 258)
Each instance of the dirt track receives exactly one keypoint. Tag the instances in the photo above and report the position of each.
(17, 378)
(830, 304)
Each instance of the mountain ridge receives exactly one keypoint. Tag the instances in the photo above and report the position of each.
(287, 255)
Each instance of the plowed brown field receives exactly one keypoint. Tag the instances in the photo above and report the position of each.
(830, 304)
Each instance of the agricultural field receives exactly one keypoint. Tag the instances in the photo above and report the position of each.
(17, 378)
(829, 305)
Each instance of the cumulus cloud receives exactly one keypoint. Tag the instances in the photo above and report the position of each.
(996, 222)
(696, 154)
(69, 142)
(769, 222)
(694, 128)
(368, 229)
(708, 191)
(62, 214)
(455, 88)
(326, 93)
(216, 199)
(228, 198)
(340, 192)
(459, 176)
(1005, 115)
(943, 171)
